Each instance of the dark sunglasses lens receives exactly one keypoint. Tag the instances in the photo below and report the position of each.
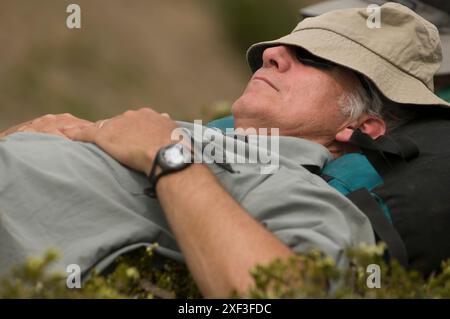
(308, 59)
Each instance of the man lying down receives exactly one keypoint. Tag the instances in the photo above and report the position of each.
(75, 197)
(79, 187)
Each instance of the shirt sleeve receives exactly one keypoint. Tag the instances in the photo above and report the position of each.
(305, 213)
(75, 198)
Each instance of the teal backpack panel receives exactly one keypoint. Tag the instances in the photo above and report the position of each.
(351, 172)
(223, 123)
(444, 94)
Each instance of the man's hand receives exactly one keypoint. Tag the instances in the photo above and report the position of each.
(132, 138)
(50, 124)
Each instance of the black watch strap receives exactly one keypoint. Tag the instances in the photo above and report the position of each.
(153, 178)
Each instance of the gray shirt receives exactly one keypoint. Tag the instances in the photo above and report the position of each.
(72, 196)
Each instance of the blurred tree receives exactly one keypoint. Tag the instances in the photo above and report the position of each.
(250, 21)
(168, 55)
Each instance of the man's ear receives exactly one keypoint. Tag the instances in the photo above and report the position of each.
(371, 125)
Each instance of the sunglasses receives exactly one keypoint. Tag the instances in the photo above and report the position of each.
(306, 58)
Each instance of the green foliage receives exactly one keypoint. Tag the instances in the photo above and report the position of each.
(316, 276)
(299, 277)
(142, 274)
(250, 21)
(30, 280)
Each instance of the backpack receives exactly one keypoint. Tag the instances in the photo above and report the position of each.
(401, 181)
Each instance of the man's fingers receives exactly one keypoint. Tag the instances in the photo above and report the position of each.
(26, 129)
(82, 133)
(13, 129)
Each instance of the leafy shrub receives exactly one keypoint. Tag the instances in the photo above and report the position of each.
(145, 275)
(140, 274)
(316, 276)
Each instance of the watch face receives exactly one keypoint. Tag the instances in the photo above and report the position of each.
(173, 156)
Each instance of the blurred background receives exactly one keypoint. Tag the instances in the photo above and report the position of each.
(183, 57)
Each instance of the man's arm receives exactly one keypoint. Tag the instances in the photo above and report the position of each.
(220, 241)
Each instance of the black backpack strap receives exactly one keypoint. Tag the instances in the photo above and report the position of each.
(385, 151)
(317, 170)
(313, 169)
(384, 230)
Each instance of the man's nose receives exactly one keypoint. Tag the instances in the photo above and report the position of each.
(277, 57)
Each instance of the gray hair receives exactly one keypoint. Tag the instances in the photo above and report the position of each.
(368, 100)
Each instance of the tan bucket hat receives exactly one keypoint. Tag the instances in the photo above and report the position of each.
(401, 57)
(438, 14)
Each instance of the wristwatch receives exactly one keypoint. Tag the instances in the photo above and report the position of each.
(171, 158)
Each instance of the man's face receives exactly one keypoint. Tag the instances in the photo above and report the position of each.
(299, 99)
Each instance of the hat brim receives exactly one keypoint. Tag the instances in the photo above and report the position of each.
(327, 6)
(394, 83)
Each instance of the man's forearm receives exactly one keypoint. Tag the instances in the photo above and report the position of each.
(218, 238)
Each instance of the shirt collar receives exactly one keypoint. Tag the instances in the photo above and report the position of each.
(298, 150)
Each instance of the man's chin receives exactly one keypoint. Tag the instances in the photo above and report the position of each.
(243, 108)
(248, 121)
